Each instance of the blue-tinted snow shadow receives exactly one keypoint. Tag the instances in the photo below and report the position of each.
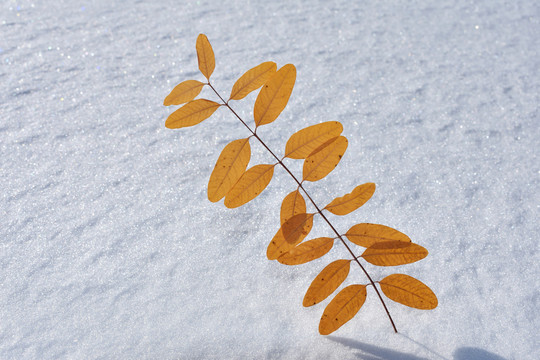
(470, 353)
(463, 353)
(372, 352)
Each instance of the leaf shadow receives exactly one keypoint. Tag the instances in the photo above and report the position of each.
(470, 353)
(462, 353)
(372, 352)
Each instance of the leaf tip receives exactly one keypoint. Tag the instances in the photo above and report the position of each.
(205, 56)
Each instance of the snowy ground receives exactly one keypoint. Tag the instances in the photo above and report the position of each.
(109, 248)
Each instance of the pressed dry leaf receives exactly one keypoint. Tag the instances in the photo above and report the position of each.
(305, 141)
(274, 95)
(352, 201)
(250, 184)
(327, 282)
(293, 204)
(183, 92)
(230, 166)
(392, 253)
(205, 56)
(281, 244)
(324, 159)
(408, 291)
(191, 114)
(368, 234)
(307, 251)
(342, 308)
(252, 80)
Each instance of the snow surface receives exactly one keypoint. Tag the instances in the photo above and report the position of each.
(110, 249)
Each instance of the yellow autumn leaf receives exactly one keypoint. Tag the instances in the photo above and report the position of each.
(342, 308)
(293, 204)
(327, 282)
(297, 227)
(307, 251)
(324, 159)
(230, 166)
(322, 147)
(278, 246)
(274, 95)
(252, 80)
(392, 253)
(352, 201)
(205, 56)
(191, 114)
(368, 234)
(408, 291)
(296, 230)
(184, 92)
(250, 184)
(305, 141)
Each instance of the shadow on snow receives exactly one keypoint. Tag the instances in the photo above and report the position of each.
(372, 352)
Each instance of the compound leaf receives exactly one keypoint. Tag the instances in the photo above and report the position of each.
(274, 95)
(368, 234)
(307, 251)
(322, 147)
(392, 253)
(252, 80)
(205, 56)
(324, 159)
(342, 308)
(305, 141)
(250, 184)
(352, 201)
(327, 282)
(230, 166)
(184, 92)
(293, 204)
(296, 230)
(408, 291)
(191, 114)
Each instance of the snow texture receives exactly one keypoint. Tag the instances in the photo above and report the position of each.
(110, 249)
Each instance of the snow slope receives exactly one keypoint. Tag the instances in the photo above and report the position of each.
(110, 249)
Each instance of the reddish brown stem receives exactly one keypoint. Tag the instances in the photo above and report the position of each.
(226, 103)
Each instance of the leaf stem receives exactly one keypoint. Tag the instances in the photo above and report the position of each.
(226, 103)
